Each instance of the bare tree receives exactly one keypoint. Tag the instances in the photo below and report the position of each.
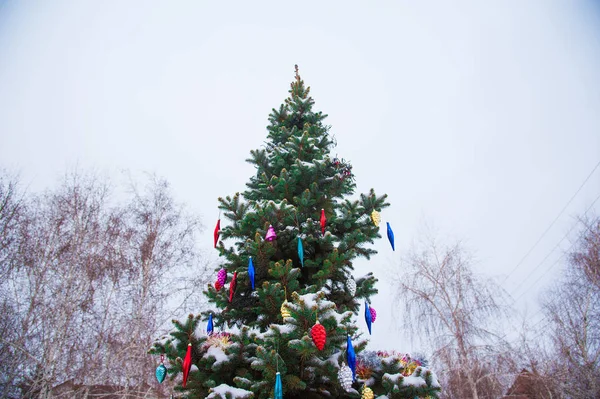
(455, 309)
(572, 311)
(89, 284)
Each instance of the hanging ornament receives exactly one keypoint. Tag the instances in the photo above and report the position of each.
(376, 218)
(345, 378)
(232, 286)
(285, 310)
(209, 326)
(271, 235)
(390, 235)
(251, 272)
(218, 285)
(222, 277)
(161, 370)
(319, 335)
(300, 251)
(278, 393)
(368, 316)
(323, 221)
(351, 357)
(367, 393)
(217, 231)
(351, 286)
(187, 364)
(373, 314)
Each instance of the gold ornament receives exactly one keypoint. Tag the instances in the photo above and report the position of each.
(367, 393)
(285, 310)
(376, 218)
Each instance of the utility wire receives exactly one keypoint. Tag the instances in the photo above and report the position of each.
(553, 222)
(553, 249)
(557, 260)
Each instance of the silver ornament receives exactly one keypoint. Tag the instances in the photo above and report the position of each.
(345, 378)
(351, 286)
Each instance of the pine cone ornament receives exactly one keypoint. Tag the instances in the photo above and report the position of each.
(376, 218)
(351, 286)
(367, 393)
(218, 285)
(345, 378)
(285, 311)
(222, 277)
(373, 314)
(319, 335)
(161, 373)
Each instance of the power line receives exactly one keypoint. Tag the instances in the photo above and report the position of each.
(553, 249)
(557, 260)
(553, 222)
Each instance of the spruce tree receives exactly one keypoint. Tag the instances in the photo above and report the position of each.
(301, 276)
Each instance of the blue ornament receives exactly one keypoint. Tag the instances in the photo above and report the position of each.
(251, 271)
(390, 234)
(351, 357)
(278, 394)
(210, 327)
(368, 317)
(161, 373)
(300, 251)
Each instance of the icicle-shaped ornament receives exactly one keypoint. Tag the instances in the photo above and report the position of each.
(187, 364)
(217, 231)
(319, 335)
(351, 286)
(251, 272)
(161, 370)
(323, 221)
(345, 378)
(376, 218)
(390, 235)
(368, 316)
(271, 235)
(300, 252)
(351, 357)
(232, 286)
(278, 392)
(209, 325)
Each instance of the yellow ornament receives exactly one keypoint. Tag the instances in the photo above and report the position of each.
(285, 310)
(376, 218)
(367, 393)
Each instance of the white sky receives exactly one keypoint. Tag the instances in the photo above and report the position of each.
(478, 117)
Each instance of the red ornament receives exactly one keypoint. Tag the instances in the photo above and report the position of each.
(187, 364)
(218, 285)
(319, 335)
(323, 221)
(232, 286)
(217, 231)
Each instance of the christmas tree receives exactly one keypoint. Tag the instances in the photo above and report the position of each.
(285, 300)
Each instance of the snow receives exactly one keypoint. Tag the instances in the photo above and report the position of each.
(222, 390)
(283, 328)
(414, 380)
(218, 353)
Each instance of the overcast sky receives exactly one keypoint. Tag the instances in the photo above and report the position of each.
(480, 118)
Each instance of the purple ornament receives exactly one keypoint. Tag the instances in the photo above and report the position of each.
(373, 314)
(271, 235)
(222, 277)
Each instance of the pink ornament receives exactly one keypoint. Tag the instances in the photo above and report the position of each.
(373, 314)
(222, 277)
(271, 235)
